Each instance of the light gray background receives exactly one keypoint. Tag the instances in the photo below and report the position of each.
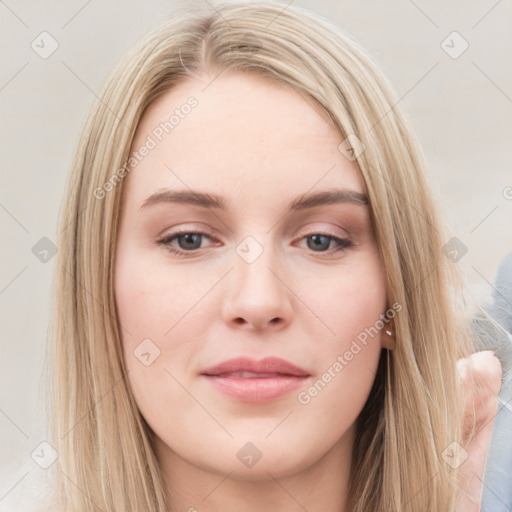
(461, 109)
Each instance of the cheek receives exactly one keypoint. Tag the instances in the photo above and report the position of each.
(350, 301)
(352, 305)
(162, 321)
(151, 297)
(149, 310)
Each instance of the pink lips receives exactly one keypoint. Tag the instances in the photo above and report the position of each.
(256, 381)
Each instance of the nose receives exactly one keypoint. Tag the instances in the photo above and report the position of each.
(258, 297)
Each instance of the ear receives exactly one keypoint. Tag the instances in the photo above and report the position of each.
(388, 339)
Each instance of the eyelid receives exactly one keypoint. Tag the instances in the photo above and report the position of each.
(185, 228)
(202, 231)
(314, 228)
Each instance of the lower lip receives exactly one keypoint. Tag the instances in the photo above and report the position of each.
(257, 389)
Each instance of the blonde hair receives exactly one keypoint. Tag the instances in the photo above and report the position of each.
(414, 411)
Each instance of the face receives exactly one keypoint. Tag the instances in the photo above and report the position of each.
(247, 275)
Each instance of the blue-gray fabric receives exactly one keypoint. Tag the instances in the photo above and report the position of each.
(497, 492)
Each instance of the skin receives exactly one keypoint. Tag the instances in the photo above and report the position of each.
(480, 376)
(260, 145)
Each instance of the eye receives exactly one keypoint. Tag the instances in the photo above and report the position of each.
(319, 242)
(189, 242)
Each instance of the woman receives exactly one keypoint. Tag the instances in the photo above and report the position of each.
(253, 308)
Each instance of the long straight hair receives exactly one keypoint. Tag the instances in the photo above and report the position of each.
(106, 457)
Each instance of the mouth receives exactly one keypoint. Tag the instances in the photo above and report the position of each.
(256, 381)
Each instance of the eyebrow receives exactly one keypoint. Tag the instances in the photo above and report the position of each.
(302, 202)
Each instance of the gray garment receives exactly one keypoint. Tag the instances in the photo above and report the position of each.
(497, 492)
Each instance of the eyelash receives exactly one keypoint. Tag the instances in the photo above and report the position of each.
(343, 244)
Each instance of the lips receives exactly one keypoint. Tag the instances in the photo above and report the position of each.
(248, 380)
(243, 367)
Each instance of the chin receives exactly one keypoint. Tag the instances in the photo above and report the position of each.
(276, 465)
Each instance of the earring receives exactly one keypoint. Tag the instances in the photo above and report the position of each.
(389, 333)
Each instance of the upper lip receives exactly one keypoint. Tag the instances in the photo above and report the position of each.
(266, 365)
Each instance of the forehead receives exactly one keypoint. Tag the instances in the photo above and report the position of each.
(243, 133)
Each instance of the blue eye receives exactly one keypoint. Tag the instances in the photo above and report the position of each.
(320, 241)
(189, 243)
